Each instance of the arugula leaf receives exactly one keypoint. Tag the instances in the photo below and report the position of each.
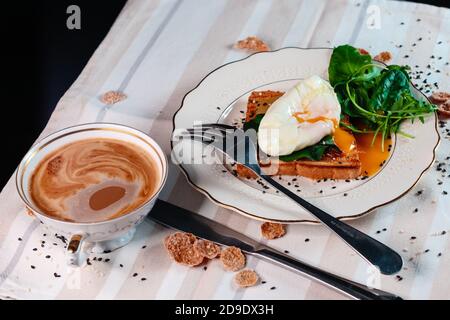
(314, 152)
(254, 123)
(346, 61)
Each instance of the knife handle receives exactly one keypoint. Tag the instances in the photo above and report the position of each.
(348, 287)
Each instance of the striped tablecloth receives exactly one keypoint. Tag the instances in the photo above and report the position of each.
(158, 50)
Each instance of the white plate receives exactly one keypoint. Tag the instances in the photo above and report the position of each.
(222, 97)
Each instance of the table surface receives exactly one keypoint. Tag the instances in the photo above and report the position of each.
(157, 51)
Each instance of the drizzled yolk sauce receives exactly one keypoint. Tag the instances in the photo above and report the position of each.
(372, 156)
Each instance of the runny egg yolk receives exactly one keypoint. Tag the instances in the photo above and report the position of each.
(344, 140)
(372, 156)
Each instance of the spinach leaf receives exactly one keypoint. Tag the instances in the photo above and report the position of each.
(390, 86)
(346, 62)
(254, 123)
(314, 152)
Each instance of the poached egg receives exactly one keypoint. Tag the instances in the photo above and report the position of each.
(302, 117)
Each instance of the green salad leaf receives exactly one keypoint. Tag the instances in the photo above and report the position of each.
(377, 96)
(254, 123)
(346, 62)
(314, 152)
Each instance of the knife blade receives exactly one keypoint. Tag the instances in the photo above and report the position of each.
(181, 219)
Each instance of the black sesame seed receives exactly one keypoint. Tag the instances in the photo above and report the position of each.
(34, 249)
(56, 275)
(107, 260)
(444, 192)
(205, 268)
(263, 282)
(416, 210)
(286, 251)
(413, 238)
(47, 256)
(273, 288)
(384, 229)
(121, 265)
(378, 231)
(135, 274)
(99, 259)
(427, 250)
(439, 254)
(307, 240)
(20, 239)
(88, 262)
(144, 246)
(33, 267)
(143, 279)
(345, 194)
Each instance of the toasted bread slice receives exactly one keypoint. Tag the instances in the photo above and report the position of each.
(333, 165)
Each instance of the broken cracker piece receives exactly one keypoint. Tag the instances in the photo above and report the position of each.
(363, 51)
(384, 57)
(444, 109)
(207, 249)
(29, 212)
(180, 246)
(252, 44)
(442, 100)
(112, 97)
(246, 278)
(232, 259)
(271, 230)
(439, 97)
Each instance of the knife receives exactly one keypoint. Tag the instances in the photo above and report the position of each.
(181, 219)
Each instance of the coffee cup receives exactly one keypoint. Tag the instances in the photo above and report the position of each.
(91, 236)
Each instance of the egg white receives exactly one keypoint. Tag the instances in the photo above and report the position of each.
(281, 133)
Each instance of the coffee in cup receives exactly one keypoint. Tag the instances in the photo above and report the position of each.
(93, 180)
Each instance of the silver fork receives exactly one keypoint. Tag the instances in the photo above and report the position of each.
(241, 147)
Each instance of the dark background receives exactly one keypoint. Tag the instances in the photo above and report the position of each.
(41, 58)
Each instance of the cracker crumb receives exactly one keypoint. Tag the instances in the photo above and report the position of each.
(252, 44)
(29, 212)
(232, 259)
(112, 97)
(384, 56)
(246, 278)
(442, 100)
(180, 247)
(207, 249)
(439, 97)
(363, 51)
(271, 230)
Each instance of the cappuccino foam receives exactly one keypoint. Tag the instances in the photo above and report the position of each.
(94, 180)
